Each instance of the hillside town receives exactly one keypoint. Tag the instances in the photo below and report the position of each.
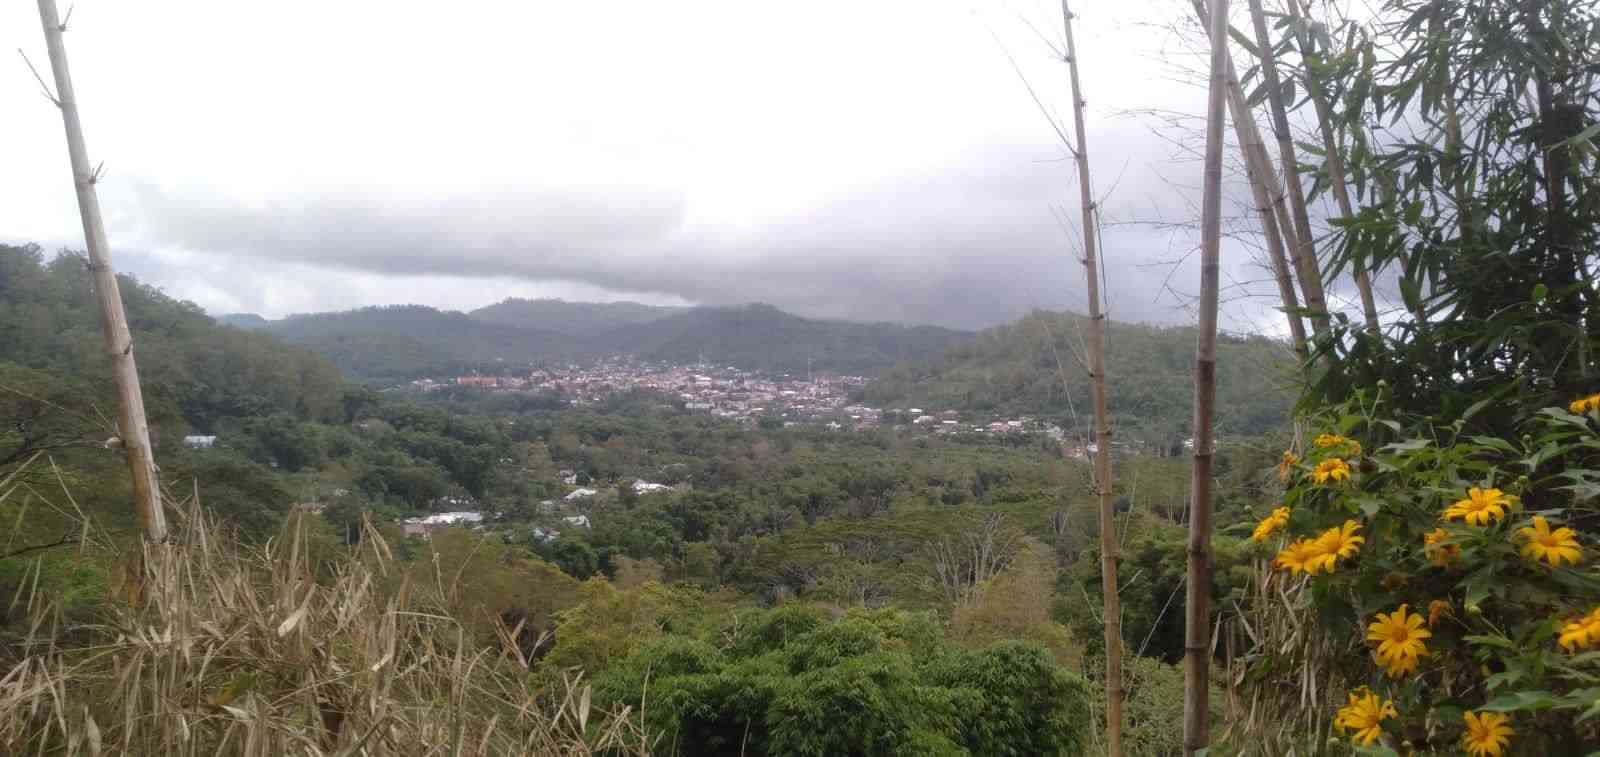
(744, 396)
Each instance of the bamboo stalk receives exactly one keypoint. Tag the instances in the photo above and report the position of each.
(1333, 150)
(1197, 629)
(1305, 251)
(1265, 192)
(1096, 347)
(134, 429)
(1258, 169)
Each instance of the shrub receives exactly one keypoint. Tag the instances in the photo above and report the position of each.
(790, 681)
(1450, 575)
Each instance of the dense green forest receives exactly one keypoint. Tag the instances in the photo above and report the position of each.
(1031, 367)
(755, 508)
(386, 344)
(931, 538)
(401, 342)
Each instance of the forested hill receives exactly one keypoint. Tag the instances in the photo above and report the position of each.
(402, 342)
(408, 341)
(1013, 369)
(195, 373)
(571, 318)
(763, 337)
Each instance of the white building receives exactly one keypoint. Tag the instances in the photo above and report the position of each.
(426, 525)
(641, 486)
(200, 442)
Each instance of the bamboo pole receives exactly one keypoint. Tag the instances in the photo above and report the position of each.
(1333, 150)
(1305, 251)
(1096, 347)
(133, 428)
(1197, 646)
(1266, 193)
(1262, 182)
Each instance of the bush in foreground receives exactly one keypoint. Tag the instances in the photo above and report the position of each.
(793, 681)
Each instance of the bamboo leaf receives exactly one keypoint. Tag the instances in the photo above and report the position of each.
(1244, 42)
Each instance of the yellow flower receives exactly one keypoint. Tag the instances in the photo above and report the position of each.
(1438, 548)
(1302, 556)
(1400, 641)
(1487, 734)
(1286, 466)
(1479, 506)
(1349, 446)
(1332, 468)
(1585, 404)
(1335, 543)
(1270, 524)
(1364, 715)
(1438, 608)
(1550, 546)
(1581, 633)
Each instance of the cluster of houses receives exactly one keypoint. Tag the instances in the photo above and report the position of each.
(727, 392)
(567, 511)
(722, 391)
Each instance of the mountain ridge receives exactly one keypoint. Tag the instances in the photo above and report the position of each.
(574, 318)
(398, 342)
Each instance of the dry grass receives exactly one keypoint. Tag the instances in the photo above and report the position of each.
(1278, 692)
(227, 649)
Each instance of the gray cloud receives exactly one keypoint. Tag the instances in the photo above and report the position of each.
(967, 244)
(850, 160)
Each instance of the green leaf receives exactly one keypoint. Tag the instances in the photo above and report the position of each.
(1477, 588)
(1244, 42)
(1478, 406)
(1540, 291)
(1503, 679)
(1574, 140)
(1522, 700)
(1494, 442)
(1566, 417)
(1492, 641)
(1369, 505)
(1407, 446)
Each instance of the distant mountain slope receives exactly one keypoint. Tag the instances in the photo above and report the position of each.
(405, 341)
(762, 337)
(1013, 369)
(571, 318)
(246, 321)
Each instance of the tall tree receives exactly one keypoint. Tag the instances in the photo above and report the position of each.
(1197, 647)
(134, 429)
(1096, 347)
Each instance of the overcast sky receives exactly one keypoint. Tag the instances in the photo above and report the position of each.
(867, 160)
